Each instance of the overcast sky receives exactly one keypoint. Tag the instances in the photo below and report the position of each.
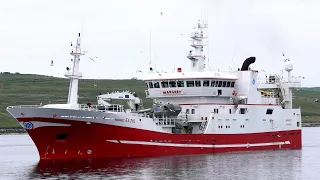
(34, 32)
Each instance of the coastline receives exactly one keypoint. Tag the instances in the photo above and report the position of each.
(12, 130)
(20, 130)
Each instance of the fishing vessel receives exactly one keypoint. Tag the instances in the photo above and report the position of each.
(193, 112)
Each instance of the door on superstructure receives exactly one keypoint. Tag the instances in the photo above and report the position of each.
(213, 143)
(272, 136)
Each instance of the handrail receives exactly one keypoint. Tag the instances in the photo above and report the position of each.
(26, 106)
(114, 108)
(165, 122)
(280, 80)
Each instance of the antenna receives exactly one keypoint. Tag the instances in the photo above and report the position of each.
(208, 39)
(234, 52)
(150, 49)
(82, 24)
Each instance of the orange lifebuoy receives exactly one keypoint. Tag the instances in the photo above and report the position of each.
(234, 93)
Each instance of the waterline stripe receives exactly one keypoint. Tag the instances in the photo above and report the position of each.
(198, 145)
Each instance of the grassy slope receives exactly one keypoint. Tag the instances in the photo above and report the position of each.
(36, 89)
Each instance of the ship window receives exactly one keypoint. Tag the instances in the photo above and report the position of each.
(156, 85)
(298, 124)
(228, 83)
(206, 83)
(187, 111)
(61, 136)
(224, 83)
(164, 84)
(150, 85)
(192, 111)
(212, 83)
(172, 84)
(198, 83)
(190, 83)
(229, 111)
(269, 111)
(219, 91)
(216, 111)
(180, 83)
(243, 110)
(232, 84)
(219, 83)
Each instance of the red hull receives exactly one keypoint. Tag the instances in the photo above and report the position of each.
(103, 141)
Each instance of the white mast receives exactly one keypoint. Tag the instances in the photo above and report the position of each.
(196, 57)
(288, 66)
(74, 74)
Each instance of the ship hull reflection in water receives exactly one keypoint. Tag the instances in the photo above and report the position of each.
(279, 164)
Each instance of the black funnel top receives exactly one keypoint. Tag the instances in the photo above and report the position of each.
(247, 62)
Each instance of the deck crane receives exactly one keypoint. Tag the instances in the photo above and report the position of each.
(132, 99)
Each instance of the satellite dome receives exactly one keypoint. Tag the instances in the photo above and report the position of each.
(288, 65)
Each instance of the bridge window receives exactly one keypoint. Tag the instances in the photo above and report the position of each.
(232, 84)
(228, 84)
(164, 84)
(219, 83)
(180, 83)
(190, 83)
(187, 111)
(224, 83)
(269, 111)
(212, 83)
(206, 83)
(198, 83)
(193, 111)
(156, 85)
(172, 84)
(150, 85)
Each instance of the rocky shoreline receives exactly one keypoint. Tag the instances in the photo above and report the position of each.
(12, 130)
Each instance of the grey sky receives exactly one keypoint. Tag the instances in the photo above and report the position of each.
(33, 32)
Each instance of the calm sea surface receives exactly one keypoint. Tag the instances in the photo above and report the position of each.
(19, 160)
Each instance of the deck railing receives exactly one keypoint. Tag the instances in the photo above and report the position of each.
(166, 122)
(279, 80)
(25, 106)
(113, 108)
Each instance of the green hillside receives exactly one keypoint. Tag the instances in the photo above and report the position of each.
(26, 89)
